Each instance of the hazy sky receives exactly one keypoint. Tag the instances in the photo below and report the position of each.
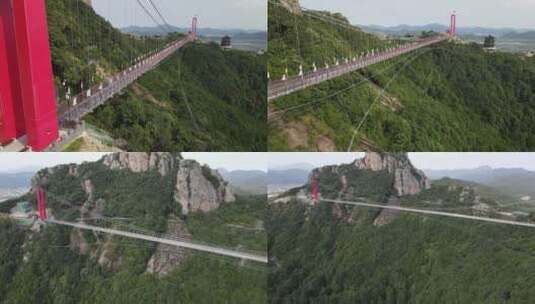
(487, 13)
(278, 160)
(20, 161)
(229, 161)
(420, 160)
(263, 161)
(245, 14)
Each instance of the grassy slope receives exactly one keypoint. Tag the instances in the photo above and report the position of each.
(412, 260)
(454, 98)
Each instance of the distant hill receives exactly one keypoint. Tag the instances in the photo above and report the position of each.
(520, 36)
(251, 181)
(475, 30)
(288, 177)
(515, 181)
(15, 180)
(206, 31)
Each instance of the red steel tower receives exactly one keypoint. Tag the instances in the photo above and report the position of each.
(27, 98)
(453, 24)
(11, 112)
(41, 203)
(314, 190)
(194, 27)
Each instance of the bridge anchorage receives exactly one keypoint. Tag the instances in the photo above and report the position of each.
(304, 79)
(30, 118)
(147, 236)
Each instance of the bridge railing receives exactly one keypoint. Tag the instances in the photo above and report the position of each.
(279, 88)
(97, 95)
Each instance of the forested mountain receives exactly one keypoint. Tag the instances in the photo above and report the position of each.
(330, 253)
(154, 192)
(447, 97)
(201, 98)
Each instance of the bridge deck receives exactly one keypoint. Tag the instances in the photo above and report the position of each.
(97, 95)
(279, 88)
(430, 212)
(174, 242)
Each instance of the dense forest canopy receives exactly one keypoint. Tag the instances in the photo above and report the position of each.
(319, 258)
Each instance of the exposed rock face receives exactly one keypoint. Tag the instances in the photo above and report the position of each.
(407, 179)
(387, 215)
(142, 162)
(167, 257)
(196, 188)
(292, 5)
(200, 188)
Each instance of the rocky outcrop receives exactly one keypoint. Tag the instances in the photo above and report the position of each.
(292, 5)
(200, 188)
(407, 179)
(138, 162)
(167, 257)
(195, 187)
(388, 215)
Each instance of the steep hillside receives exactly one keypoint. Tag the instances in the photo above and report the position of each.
(448, 97)
(86, 48)
(153, 192)
(320, 258)
(200, 99)
(330, 253)
(297, 38)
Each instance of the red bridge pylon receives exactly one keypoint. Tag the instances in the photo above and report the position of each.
(194, 22)
(41, 204)
(27, 97)
(314, 190)
(453, 24)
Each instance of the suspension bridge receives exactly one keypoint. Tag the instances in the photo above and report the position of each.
(316, 198)
(290, 84)
(31, 112)
(147, 236)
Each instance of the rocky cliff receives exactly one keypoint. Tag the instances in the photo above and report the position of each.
(199, 188)
(292, 5)
(407, 179)
(87, 191)
(141, 162)
(378, 178)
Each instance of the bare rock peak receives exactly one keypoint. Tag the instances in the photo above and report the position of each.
(142, 161)
(407, 179)
(292, 5)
